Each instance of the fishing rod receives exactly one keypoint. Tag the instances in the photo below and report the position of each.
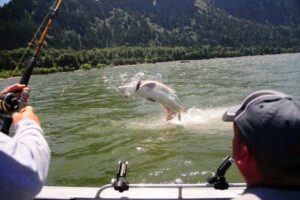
(14, 102)
(28, 71)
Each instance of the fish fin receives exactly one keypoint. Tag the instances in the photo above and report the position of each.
(150, 85)
(169, 116)
(179, 116)
(168, 113)
(149, 99)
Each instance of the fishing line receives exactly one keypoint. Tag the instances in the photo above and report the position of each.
(108, 26)
(15, 101)
(33, 38)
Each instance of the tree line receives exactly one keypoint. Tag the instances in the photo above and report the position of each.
(62, 60)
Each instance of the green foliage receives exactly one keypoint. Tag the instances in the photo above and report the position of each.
(54, 60)
(86, 66)
(81, 24)
(46, 70)
(67, 61)
(276, 12)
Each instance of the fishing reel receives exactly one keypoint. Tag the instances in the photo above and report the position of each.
(9, 104)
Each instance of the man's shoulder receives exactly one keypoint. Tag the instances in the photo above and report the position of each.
(247, 196)
(267, 193)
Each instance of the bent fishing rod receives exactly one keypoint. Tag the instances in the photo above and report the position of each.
(14, 102)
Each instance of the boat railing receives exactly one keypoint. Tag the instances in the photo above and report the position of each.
(171, 191)
(215, 188)
(142, 191)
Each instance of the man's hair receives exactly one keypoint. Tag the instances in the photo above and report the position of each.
(272, 170)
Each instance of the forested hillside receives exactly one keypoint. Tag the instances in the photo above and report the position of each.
(86, 24)
(274, 12)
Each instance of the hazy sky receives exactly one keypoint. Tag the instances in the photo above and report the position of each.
(3, 2)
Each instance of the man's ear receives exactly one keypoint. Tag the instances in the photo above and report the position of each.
(243, 155)
(245, 160)
(241, 151)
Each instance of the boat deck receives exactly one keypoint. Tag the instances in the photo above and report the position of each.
(142, 191)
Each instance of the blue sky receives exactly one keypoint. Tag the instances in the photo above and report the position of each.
(2, 2)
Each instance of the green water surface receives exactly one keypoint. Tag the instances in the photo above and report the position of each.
(90, 126)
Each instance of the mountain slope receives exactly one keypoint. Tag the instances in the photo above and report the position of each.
(274, 12)
(85, 24)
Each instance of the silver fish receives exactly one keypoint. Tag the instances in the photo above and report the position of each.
(156, 92)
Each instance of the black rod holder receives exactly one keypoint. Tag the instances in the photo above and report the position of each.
(219, 180)
(120, 183)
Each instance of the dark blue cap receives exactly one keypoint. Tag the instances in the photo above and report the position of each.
(270, 121)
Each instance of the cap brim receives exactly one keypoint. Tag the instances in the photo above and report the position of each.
(230, 114)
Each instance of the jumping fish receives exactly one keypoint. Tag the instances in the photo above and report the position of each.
(156, 92)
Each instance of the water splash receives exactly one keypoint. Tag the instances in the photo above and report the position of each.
(140, 149)
(139, 76)
(193, 118)
(122, 79)
(196, 116)
(126, 78)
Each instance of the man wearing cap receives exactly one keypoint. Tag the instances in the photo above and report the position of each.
(266, 144)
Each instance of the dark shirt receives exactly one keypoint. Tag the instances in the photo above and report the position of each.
(269, 193)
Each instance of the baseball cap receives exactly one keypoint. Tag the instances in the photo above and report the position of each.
(269, 120)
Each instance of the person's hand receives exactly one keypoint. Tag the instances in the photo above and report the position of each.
(15, 88)
(25, 113)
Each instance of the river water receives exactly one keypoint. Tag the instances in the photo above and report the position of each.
(90, 126)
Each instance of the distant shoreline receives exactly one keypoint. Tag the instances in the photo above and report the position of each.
(61, 60)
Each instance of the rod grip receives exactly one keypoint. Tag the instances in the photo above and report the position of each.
(28, 71)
